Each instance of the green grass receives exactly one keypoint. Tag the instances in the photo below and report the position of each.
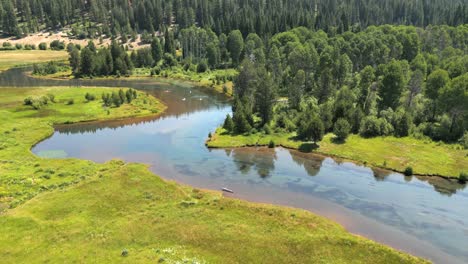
(70, 210)
(14, 58)
(23, 174)
(424, 156)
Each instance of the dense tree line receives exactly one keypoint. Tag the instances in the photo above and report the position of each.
(90, 61)
(266, 18)
(387, 80)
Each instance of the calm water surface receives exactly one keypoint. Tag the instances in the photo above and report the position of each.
(427, 217)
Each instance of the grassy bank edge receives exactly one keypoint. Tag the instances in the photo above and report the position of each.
(219, 140)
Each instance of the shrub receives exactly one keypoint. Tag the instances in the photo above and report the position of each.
(6, 44)
(70, 102)
(37, 103)
(271, 144)
(124, 252)
(90, 97)
(342, 129)
(463, 177)
(51, 97)
(43, 46)
(408, 171)
(57, 45)
(225, 89)
(464, 140)
(49, 68)
(267, 129)
(28, 100)
(370, 127)
(169, 60)
(155, 71)
(18, 46)
(312, 129)
(228, 123)
(202, 66)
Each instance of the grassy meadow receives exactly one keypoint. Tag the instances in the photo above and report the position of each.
(425, 157)
(15, 58)
(71, 210)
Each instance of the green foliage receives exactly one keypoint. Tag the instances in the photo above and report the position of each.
(463, 178)
(156, 50)
(371, 126)
(42, 46)
(408, 171)
(37, 102)
(90, 97)
(57, 45)
(228, 124)
(235, 45)
(271, 144)
(464, 140)
(342, 129)
(202, 66)
(48, 68)
(311, 129)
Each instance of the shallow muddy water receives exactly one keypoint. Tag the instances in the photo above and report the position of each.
(427, 217)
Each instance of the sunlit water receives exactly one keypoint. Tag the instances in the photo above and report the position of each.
(425, 219)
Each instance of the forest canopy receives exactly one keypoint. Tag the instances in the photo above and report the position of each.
(266, 18)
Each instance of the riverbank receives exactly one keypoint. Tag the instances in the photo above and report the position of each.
(74, 207)
(426, 158)
(202, 80)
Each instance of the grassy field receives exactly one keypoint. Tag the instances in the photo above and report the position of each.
(70, 210)
(13, 58)
(425, 157)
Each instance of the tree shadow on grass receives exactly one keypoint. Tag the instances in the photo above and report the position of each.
(308, 147)
(338, 141)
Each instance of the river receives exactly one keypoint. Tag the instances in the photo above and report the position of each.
(424, 216)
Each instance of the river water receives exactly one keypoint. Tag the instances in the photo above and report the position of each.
(427, 217)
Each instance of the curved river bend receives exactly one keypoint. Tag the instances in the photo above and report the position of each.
(427, 217)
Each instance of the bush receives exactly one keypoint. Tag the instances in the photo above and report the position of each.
(6, 45)
(202, 66)
(57, 45)
(225, 89)
(311, 129)
(70, 102)
(463, 177)
(408, 171)
(51, 97)
(271, 144)
(90, 97)
(37, 103)
(169, 60)
(371, 126)
(124, 253)
(228, 124)
(28, 100)
(49, 68)
(43, 46)
(464, 140)
(267, 129)
(18, 46)
(155, 71)
(342, 129)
